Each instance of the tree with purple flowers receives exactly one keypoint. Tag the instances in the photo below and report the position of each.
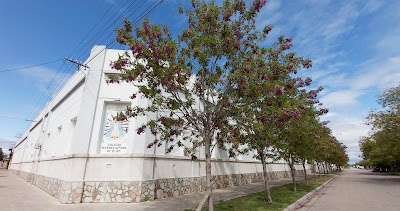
(191, 79)
(265, 99)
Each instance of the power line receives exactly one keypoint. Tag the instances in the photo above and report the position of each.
(97, 36)
(34, 111)
(136, 23)
(57, 87)
(16, 118)
(141, 16)
(48, 87)
(27, 67)
(94, 27)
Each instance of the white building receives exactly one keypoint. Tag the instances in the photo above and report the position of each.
(77, 153)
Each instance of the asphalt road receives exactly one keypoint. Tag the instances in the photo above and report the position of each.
(357, 189)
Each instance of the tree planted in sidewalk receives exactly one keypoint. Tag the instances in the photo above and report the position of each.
(292, 143)
(188, 79)
(264, 99)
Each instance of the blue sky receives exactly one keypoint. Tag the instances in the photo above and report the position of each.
(354, 45)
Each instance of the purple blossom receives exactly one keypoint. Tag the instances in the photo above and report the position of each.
(227, 16)
(308, 81)
(258, 4)
(312, 95)
(238, 46)
(295, 113)
(140, 130)
(166, 31)
(228, 41)
(267, 29)
(323, 111)
(150, 145)
(147, 27)
(286, 46)
(137, 48)
(307, 63)
(301, 82)
(278, 90)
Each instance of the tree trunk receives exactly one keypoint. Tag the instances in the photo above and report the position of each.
(305, 171)
(292, 170)
(208, 171)
(319, 170)
(269, 198)
(315, 171)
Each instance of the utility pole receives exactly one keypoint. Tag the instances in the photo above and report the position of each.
(80, 64)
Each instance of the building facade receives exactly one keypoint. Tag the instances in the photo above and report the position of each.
(76, 152)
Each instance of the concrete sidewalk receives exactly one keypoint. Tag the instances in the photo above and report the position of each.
(17, 194)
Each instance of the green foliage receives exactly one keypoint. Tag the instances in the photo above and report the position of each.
(215, 85)
(382, 147)
(192, 78)
(196, 81)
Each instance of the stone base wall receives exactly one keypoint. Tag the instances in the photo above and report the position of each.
(138, 191)
(110, 192)
(66, 192)
(128, 192)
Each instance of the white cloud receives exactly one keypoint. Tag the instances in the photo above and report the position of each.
(379, 74)
(318, 30)
(342, 22)
(371, 6)
(338, 99)
(348, 126)
(45, 79)
(110, 1)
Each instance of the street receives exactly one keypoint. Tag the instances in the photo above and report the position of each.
(357, 189)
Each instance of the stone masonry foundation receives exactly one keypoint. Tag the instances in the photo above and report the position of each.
(138, 191)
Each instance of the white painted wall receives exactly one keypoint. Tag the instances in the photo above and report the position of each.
(69, 130)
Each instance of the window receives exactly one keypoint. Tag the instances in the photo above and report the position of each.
(59, 132)
(70, 135)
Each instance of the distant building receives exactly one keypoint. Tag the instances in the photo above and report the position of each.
(76, 152)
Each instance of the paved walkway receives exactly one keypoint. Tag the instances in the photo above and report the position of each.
(17, 194)
(357, 189)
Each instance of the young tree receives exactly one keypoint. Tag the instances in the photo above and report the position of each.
(290, 146)
(306, 137)
(262, 98)
(188, 78)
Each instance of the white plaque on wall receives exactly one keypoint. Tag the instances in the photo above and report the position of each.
(114, 137)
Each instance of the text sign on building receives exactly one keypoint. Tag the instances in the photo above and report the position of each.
(115, 133)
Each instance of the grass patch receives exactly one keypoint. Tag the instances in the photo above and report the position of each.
(282, 197)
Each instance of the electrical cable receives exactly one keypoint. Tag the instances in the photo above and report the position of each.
(27, 67)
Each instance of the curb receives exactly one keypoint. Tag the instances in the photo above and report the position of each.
(303, 200)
